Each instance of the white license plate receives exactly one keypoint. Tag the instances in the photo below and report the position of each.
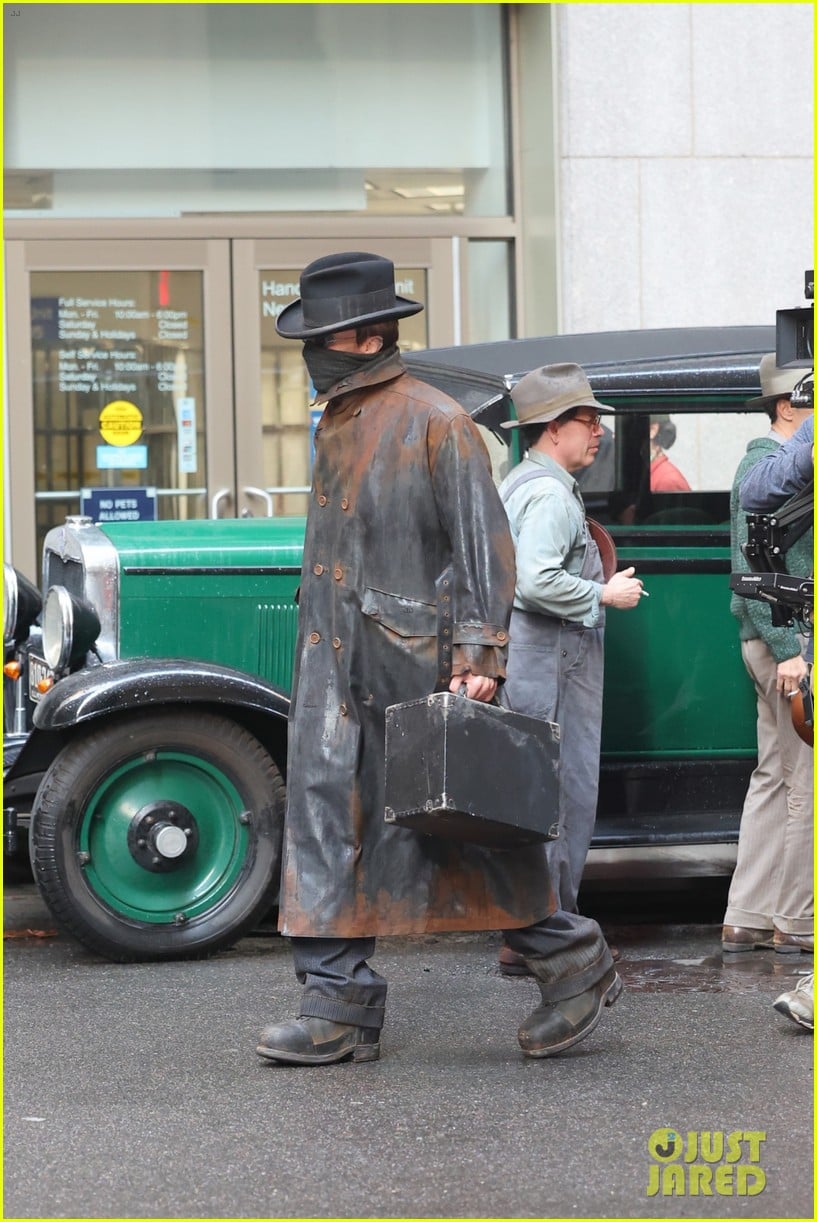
(38, 671)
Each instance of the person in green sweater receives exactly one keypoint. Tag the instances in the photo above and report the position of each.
(771, 897)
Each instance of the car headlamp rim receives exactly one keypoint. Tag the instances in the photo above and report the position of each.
(70, 628)
(22, 604)
(58, 627)
(10, 601)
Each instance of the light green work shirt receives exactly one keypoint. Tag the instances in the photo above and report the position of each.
(547, 521)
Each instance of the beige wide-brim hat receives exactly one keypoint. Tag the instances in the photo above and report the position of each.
(547, 393)
(775, 383)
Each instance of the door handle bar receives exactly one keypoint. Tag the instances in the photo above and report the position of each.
(249, 490)
(223, 494)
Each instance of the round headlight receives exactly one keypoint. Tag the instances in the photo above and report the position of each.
(21, 605)
(70, 628)
(9, 602)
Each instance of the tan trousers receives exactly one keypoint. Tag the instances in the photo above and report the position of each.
(773, 881)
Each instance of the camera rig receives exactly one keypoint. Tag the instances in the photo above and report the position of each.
(770, 535)
(794, 338)
(791, 598)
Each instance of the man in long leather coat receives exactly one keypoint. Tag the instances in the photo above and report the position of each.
(402, 501)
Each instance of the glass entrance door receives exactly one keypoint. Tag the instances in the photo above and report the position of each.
(146, 378)
(120, 348)
(275, 420)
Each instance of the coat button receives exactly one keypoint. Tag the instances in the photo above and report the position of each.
(344, 503)
(314, 637)
(318, 569)
(502, 636)
(338, 574)
(343, 710)
(321, 499)
(336, 641)
(564, 653)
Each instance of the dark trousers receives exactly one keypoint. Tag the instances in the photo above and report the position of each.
(567, 952)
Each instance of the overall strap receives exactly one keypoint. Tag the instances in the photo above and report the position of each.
(524, 479)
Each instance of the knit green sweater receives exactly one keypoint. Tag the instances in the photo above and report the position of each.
(755, 617)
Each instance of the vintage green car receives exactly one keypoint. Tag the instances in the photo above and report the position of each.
(146, 746)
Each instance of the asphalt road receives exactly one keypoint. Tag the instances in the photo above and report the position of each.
(135, 1091)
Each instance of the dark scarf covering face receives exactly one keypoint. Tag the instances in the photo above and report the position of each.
(326, 366)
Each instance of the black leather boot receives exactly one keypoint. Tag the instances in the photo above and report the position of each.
(318, 1041)
(557, 1025)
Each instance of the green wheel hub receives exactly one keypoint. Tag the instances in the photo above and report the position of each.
(204, 876)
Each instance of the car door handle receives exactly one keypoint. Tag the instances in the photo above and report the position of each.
(249, 490)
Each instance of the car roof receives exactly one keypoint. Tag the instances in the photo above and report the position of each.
(667, 361)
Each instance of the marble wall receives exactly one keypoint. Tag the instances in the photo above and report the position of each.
(684, 162)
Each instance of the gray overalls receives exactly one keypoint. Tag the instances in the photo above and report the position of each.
(556, 671)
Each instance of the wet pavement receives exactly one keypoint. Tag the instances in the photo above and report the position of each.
(134, 1091)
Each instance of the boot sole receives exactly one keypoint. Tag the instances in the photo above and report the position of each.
(738, 948)
(363, 1052)
(609, 998)
(793, 950)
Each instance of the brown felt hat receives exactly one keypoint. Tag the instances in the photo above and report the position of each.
(547, 393)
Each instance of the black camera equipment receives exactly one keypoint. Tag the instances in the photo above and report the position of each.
(795, 332)
(803, 394)
(791, 598)
(769, 537)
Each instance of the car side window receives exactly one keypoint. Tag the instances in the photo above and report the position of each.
(669, 465)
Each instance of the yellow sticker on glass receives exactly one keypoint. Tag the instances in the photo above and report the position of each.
(120, 423)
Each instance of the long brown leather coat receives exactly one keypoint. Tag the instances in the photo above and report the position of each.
(401, 489)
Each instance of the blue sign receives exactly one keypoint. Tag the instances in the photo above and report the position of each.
(118, 458)
(44, 319)
(118, 504)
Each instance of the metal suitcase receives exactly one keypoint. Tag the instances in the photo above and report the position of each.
(471, 771)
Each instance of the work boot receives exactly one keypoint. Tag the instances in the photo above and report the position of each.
(318, 1041)
(798, 1005)
(557, 1025)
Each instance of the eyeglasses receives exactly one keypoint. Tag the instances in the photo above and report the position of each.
(593, 421)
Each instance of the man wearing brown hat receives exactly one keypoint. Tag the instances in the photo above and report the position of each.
(556, 658)
(402, 501)
(771, 896)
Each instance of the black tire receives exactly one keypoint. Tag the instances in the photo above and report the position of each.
(109, 797)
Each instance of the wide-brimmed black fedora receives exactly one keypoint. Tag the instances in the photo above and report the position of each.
(341, 291)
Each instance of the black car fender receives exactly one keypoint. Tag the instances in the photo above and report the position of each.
(115, 688)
